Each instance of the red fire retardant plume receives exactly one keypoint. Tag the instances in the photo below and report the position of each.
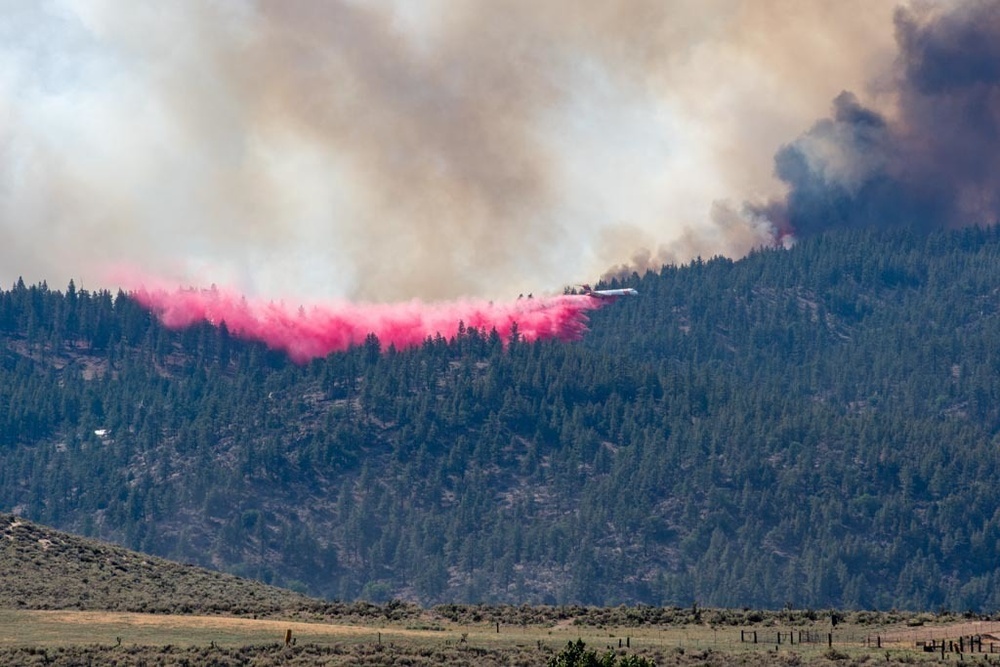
(305, 333)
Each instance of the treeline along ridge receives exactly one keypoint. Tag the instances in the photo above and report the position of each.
(815, 427)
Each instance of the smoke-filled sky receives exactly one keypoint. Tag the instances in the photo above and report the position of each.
(436, 149)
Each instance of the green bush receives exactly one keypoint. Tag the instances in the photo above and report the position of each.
(576, 655)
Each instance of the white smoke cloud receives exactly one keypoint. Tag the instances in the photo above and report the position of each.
(393, 150)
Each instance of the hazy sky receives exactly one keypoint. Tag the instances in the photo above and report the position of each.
(393, 150)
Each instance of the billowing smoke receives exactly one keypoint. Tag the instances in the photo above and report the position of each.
(934, 160)
(385, 151)
(733, 232)
(396, 149)
(321, 329)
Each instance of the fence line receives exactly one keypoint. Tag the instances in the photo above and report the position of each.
(972, 637)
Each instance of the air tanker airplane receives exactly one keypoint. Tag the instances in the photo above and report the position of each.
(608, 293)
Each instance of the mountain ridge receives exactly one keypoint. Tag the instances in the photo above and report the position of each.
(814, 426)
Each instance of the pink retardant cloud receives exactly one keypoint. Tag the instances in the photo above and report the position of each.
(305, 333)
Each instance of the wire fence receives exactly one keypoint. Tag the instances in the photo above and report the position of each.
(957, 639)
(971, 637)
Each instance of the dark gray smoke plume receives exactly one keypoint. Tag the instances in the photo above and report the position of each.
(934, 162)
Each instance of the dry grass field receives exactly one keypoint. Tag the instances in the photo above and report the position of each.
(67, 601)
(126, 638)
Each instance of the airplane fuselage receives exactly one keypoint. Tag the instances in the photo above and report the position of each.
(609, 293)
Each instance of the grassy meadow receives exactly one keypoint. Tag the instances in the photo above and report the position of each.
(73, 637)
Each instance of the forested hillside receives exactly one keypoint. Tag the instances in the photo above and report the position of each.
(815, 427)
